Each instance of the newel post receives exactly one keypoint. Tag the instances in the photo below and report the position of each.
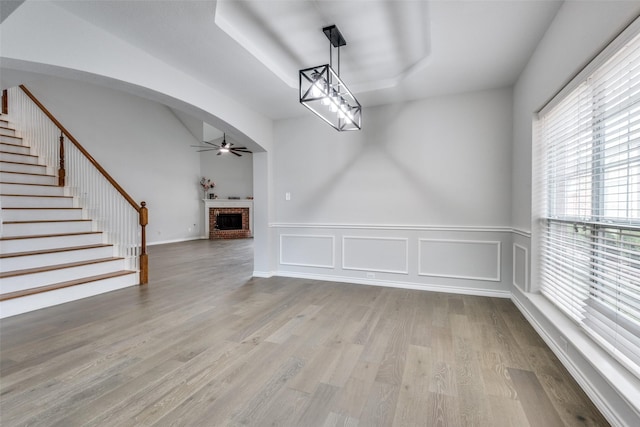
(5, 101)
(144, 261)
(61, 171)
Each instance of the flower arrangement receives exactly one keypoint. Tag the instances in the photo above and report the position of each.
(206, 185)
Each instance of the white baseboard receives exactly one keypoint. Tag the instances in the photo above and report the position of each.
(397, 284)
(263, 274)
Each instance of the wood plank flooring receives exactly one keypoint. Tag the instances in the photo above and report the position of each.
(205, 344)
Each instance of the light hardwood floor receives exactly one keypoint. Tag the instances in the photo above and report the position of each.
(204, 344)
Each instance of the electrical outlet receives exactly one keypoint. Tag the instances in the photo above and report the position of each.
(371, 275)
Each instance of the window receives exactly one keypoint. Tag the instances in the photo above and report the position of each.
(589, 236)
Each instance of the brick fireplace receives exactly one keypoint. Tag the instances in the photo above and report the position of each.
(236, 221)
(219, 232)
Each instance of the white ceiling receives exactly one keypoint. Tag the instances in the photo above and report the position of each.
(397, 50)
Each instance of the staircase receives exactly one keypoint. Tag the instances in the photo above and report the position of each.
(49, 252)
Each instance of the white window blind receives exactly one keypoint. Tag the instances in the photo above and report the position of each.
(590, 172)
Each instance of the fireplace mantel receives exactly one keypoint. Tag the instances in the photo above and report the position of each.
(226, 203)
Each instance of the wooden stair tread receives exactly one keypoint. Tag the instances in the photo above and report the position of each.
(12, 144)
(27, 173)
(20, 163)
(39, 221)
(61, 285)
(53, 251)
(9, 136)
(40, 236)
(17, 154)
(29, 183)
(37, 208)
(33, 195)
(4, 275)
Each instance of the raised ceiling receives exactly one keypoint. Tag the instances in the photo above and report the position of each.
(396, 50)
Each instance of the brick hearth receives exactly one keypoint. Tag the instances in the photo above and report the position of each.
(214, 233)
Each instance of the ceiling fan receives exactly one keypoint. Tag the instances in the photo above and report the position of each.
(224, 147)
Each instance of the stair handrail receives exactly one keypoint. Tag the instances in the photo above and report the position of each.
(141, 209)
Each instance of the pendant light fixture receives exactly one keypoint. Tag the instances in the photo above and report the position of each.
(322, 91)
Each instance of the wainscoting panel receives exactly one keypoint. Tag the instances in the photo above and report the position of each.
(381, 254)
(307, 250)
(465, 260)
(520, 267)
(459, 259)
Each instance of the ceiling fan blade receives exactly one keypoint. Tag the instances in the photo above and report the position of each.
(243, 151)
(206, 149)
(233, 152)
(239, 148)
(210, 143)
(219, 153)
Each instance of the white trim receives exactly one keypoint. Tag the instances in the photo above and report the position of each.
(396, 284)
(483, 229)
(526, 266)
(321, 236)
(452, 276)
(263, 274)
(379, 270)
(619, 379)
(521, 232)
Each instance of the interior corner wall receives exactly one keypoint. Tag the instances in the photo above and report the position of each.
(578, 33)
(141, 143)
(419, 198)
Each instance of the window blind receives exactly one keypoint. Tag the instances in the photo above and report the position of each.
(590, 178)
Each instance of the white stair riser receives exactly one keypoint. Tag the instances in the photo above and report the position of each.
(4, 130)
(40, 214)
(17, 167)
(36, 202)
(40, 228)
(34, 190)
(10, 148)
(29, 281)
(19, 158)
(16, 306)
(42, 243)
(22, 178)
(10, 139)
(43, 260)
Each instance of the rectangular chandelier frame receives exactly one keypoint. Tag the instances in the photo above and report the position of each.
(322, 92)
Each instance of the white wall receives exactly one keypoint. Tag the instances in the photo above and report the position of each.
(233, 175)
(142, 144)
(378, 206)
(579, 31)
(439, 161)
